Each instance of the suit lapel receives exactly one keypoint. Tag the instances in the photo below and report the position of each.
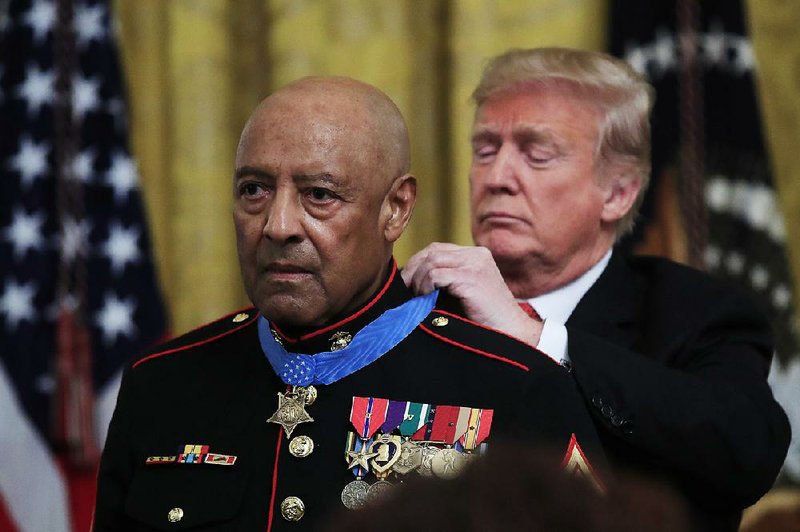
(610, 308)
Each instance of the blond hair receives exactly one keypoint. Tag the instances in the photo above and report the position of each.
(624, 97)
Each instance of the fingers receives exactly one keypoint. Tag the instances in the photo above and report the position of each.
(416, 273)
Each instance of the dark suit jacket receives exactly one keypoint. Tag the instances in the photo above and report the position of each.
(214, 387)
(673, 365)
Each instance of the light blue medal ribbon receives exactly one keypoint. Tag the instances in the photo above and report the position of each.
(369, 344)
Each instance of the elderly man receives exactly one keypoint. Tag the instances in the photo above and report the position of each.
(672, 364)
(338, 383)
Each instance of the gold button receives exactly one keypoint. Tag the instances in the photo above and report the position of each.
(301, 446)
(240, 317)
(293, 509)
(175, 515)
(440, 321)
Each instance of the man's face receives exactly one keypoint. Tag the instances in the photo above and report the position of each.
(536, 195)
(307, 197)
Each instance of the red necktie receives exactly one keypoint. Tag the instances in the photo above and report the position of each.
(529, 310)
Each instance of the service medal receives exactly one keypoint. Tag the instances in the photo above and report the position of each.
(387, 450)
(426, 466)
(354, 494)
(448, 463)
(410, 458)
(378, 491)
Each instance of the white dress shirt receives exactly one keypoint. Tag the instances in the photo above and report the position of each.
(556, 307)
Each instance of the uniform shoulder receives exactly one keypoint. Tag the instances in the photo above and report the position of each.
(205, 334)
(460, 332)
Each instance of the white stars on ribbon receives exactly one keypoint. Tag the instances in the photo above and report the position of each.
(74, 238)
(41, 18)
(85, 95)
(16, 303)
(296, 368)
(122, 247)
(753, 203)
(89, 24)
(37, 89)
(25, 232)
(30, 161)
(115, 319)
(121, 176)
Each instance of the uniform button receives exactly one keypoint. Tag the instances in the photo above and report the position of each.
(175, 515)
(293, 508)
(617, 421)
(439, 321)
(301, 446)
(607, 411)
(597, 401)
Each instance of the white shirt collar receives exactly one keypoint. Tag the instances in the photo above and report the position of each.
(559, 304)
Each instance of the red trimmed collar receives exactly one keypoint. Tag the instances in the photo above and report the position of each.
(392, 293)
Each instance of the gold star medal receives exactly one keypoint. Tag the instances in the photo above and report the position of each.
(291, 412)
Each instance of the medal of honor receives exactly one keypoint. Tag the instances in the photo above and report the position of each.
(291, 410)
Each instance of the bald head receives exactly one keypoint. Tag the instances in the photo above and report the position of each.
(348, 110)
(321, 193)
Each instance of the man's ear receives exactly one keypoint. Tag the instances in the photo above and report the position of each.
(621, 190)
(398, 206)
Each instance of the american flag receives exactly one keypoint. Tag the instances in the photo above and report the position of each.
(746, 237)
(78, 295)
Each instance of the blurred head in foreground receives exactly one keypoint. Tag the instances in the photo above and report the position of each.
(516, 488)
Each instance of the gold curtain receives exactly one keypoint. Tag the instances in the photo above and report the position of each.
(775, 30)
(196, 68)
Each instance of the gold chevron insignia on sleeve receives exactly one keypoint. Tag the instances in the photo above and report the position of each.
(575, 463)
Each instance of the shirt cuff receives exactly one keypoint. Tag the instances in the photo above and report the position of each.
(553, 342)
